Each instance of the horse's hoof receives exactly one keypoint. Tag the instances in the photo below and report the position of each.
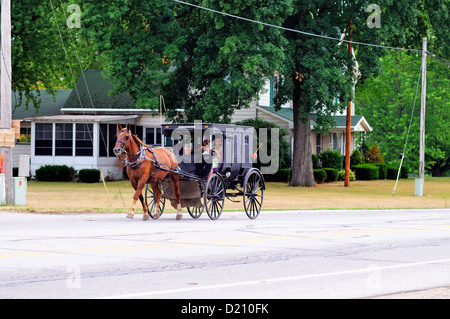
(156, 216)
(145, 217)
(130, 216)
(179, 217)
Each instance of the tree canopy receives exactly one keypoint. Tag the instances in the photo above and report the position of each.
(387, 102)
(206, 64)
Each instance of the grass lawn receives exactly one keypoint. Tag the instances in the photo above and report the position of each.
(65, 197)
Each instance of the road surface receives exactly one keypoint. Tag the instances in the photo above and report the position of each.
(286, 254)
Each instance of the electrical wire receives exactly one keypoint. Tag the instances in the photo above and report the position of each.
(294, 30)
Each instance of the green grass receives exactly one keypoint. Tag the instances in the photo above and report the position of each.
(65, 197)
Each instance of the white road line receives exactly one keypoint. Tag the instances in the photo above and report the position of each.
(273, 280)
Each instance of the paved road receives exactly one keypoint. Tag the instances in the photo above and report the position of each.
(294, 254)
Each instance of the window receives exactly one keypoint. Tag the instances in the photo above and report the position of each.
(334, 142)
(43, 143)
(107, 137)
(318, 143)
(63, 139)
(83, 140)
(153, 136)
(25, 135)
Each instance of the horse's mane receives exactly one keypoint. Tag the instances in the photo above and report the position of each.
(138, 140)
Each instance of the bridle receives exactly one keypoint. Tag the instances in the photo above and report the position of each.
(123, 143)
(140, 155)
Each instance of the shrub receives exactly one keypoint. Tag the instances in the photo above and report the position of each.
(55, 173)
(283, 175)
(356, 158)
(89, 175)
(382, 170)
(315, 161)
(319, 175)
(331, 159)
(373, 155)
(332, 174)
(392, 172)
(366, 172)
(341, 175)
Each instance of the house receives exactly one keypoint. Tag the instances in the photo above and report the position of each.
(79, 129)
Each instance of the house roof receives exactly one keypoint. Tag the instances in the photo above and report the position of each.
(97, 88)
(48, 106)
(83, 118)
(358, 122)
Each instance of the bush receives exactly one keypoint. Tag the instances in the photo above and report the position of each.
(392, 172)
(283, 175)
(89, 175)
(341, 175)
(332, 174)
(319, 175)
(315, 161)
(356, 158)
(55, 173)
(382, 170)
(331, 159)
(373, 155)
(366, 172)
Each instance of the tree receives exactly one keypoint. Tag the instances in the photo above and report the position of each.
(202, 62)
(387, 102)
(209, 65)
(38, 57)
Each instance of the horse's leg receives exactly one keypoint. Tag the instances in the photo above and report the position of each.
(137, 195)
(157, 192)
(144, 208)
(135, 185)
(174, 178)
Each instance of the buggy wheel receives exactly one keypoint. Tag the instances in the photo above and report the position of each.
(253, 193)
(196, 212)
(214, 196)
(150, 200)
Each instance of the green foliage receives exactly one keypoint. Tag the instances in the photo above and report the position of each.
(89, 175)
(366, 172)
(38, 57)
(331, 159)
(315, 161)
(332, 174)
(55, 173)
(356, 158)
(392, 172)
(341, 175)
(382, 170)
(283, 175)
(387, 103)
(200, 61)
(319, 175)
(284, 155)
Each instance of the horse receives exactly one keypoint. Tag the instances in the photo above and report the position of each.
(144, 165)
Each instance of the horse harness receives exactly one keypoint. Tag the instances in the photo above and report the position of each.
(141, 157)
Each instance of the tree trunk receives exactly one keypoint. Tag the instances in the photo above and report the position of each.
(302, 168)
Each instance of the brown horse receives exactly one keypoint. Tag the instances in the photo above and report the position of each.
(144, 165)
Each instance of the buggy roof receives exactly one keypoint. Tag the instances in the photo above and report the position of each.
(168, 128)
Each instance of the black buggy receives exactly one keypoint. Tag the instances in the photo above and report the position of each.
(206, 178)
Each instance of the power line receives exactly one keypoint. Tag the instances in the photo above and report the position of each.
(294, 30)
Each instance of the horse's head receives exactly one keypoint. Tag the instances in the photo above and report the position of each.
(123, 137)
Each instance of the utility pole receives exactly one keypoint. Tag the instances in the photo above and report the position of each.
(419, 182)
(5, 92)
(348, 124)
